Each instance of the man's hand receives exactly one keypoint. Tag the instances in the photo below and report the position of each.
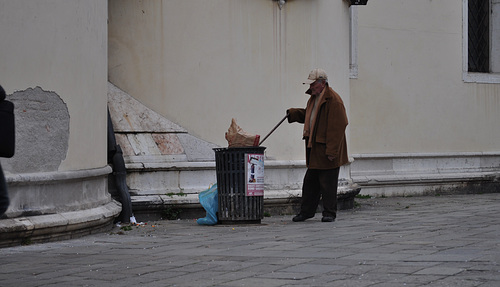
(331, 158)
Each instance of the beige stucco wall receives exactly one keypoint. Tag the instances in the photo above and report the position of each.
(61, 46)
(201, 63)
(410, 95)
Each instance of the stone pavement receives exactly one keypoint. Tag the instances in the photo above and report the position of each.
(412, 241)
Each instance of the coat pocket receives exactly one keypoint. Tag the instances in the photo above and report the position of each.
(321, 139)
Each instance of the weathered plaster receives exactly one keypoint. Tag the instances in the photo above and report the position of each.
(42, 131)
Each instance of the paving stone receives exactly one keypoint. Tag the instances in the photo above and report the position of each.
(311, 268)
(436, 241)
(439, 271)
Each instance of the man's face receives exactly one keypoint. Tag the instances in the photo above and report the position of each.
(317, 87)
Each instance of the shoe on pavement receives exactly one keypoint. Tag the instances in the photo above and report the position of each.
(327, 219)
(300, 217)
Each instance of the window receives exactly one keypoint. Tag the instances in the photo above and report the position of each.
(478, 36)
(481, 41)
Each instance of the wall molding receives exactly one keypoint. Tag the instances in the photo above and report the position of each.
(35, 194)
(406, 174)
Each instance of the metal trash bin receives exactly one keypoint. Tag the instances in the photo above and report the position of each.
(240, 184)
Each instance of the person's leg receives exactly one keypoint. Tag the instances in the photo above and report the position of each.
(4, 197)
(310, 193)
(328, 181)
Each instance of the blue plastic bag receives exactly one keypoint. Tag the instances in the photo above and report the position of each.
(208, 199)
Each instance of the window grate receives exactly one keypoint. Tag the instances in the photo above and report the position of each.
(479, 36)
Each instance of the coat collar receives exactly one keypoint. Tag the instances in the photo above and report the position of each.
(327, 95)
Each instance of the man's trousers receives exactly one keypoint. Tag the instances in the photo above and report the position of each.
(320, 184)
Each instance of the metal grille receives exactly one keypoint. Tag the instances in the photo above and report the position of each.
(234, 205)
(479, 36)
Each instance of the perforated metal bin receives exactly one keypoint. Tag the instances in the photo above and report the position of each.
(235, 206)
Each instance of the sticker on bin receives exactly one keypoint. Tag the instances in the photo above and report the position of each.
(254, 171)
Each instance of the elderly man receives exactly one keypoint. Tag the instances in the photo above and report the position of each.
(325, 121)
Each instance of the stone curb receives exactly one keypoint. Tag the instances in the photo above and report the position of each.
(51, 227)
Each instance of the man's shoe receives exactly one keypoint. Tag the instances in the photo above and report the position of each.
(301, 217)
(327, 219)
